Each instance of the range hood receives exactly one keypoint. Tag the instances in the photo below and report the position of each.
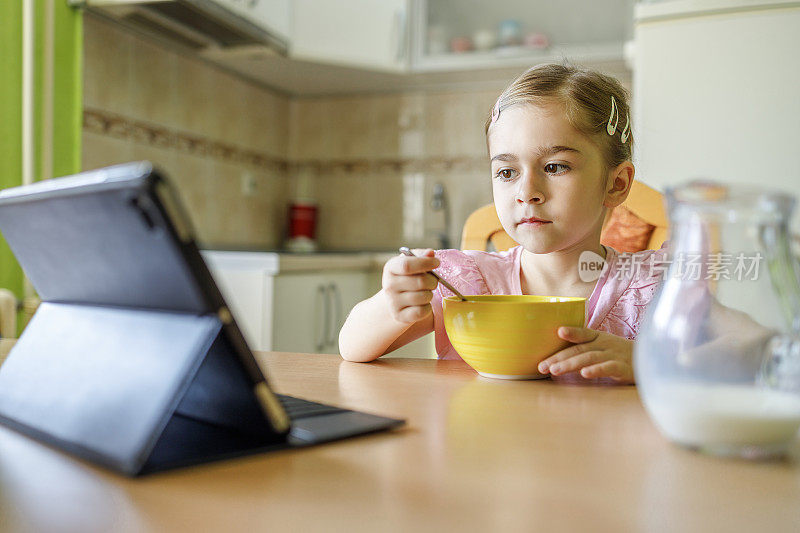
(209, 27)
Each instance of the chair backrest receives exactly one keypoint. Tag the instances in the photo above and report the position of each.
(649, 223)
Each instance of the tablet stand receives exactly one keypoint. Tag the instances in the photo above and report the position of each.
(135, 390)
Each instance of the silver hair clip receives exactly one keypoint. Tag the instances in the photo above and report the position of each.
(609, 128)
(626, 131)
(496, 111)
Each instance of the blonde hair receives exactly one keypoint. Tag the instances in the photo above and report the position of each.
(586, 95)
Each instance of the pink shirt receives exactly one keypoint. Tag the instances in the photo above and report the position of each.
(616, 305)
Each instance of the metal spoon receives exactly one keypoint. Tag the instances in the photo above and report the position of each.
(405, 251)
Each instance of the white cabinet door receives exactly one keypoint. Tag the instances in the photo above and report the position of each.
(362, 33)
(721, 86)
(248, 294)
(345, 289)
(299, 311)
(275, 15)
(309, 309)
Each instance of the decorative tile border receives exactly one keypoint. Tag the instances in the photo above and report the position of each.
(104, 123)
(120, 127)
(429, 165)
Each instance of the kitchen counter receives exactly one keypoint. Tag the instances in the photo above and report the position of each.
(278, 262)
(475, 455)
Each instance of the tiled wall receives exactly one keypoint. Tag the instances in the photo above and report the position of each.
(376, 159)
(208, 129)
(371, 160)
(366, 151)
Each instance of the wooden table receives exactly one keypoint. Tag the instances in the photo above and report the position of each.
(477, 455)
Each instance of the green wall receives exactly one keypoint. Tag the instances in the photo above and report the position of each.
(10, 123)
(67, 107)
(68, 90)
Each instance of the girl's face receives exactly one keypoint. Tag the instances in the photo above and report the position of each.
(549, 180)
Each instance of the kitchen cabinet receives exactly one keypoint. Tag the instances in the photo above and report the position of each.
(360, 46)
(310, 308)
(273, 15)
(296, 302)
(715, 92)
(511, 32)
(248, 293)
(358, 33)
(284, 302)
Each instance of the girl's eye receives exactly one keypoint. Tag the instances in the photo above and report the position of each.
(505, 174)
(552, 168)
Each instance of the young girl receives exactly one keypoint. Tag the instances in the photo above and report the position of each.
(560, 144)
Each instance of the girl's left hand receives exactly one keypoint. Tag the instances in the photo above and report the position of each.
(596, 354)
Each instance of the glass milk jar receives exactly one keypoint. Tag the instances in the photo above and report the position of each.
(717, 358)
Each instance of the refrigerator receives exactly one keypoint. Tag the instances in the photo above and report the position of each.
(716, 92)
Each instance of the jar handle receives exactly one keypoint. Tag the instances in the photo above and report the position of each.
(784, 271)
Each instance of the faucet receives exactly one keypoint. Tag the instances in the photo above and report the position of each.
(439, 203)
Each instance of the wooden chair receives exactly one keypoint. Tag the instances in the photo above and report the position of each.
(644, 203)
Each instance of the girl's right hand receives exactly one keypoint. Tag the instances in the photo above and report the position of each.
(408, 287)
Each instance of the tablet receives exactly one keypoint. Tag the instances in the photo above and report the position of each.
(133, 359)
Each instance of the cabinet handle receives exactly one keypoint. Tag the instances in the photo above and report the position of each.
(333, 290)
(319, 332)
(326, 335)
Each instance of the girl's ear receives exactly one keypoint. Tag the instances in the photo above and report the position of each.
(619, 184)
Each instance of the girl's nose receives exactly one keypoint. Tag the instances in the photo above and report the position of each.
(529, 192)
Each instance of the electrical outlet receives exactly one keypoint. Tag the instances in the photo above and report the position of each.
(249, 185)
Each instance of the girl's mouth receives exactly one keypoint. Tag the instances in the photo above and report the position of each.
(533, 221)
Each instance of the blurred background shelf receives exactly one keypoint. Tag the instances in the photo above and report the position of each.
(452, 35)
(611, 53)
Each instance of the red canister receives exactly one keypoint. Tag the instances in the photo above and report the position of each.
(302, 220)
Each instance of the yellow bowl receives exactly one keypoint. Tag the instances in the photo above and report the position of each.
(507, 336)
